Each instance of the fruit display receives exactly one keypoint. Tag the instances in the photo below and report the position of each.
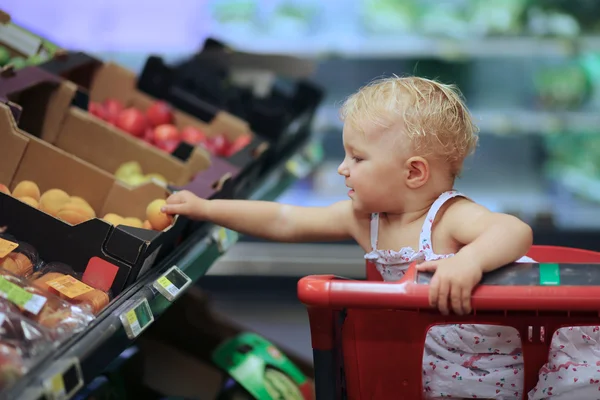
(156, 127)
(55, 278)
(62, 281)
(75, 210)
(132, 174)
(61, 318)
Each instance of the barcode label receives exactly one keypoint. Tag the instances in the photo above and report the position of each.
(35, 304)
(135, 327)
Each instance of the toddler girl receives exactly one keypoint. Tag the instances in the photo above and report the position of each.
(405, 141)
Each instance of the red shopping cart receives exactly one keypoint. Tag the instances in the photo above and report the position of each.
(368, 336)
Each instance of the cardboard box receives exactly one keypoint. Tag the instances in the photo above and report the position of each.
(27, 46)
(109, 80)
(113, 257)
(49, 113)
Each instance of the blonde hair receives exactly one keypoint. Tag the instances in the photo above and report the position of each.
(434, 115)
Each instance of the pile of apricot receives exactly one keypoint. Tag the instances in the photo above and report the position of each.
(75, 210)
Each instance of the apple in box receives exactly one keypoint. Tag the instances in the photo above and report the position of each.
(159, 113)
(132, 121)
(192, 135)
(155, 126)
(166, 137)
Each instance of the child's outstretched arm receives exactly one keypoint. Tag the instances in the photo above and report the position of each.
(268, 220)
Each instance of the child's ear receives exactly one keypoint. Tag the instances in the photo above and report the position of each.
(417, 172)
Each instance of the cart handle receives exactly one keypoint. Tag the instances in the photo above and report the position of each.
(329, 291)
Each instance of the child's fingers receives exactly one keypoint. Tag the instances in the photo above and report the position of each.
(466, 300)
(456, 298)
(429, 266)
(173, 208)
(443, 295)
(176, 198)
(434, 287)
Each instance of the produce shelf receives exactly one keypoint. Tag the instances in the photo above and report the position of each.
(79, 360)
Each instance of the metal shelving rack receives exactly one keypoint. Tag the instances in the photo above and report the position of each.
(75, 363)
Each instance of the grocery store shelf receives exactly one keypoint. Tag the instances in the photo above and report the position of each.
(503, 122)
(359, 46)
(106, 338)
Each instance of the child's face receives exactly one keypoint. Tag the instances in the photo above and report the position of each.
(373, 170)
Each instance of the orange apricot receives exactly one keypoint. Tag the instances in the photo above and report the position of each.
(52, 201)
(30, 200)
(74, 213)
(134, 222)
(27, 188)
(113, 219)
(158, 219)
(4, 189)
(147, 225)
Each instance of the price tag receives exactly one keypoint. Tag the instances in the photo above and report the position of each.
(30, 302)
(7, 247)
(225, 238)
(69, 286)
(172, 283)
(137, 318)
(20, 40)
(65, 380)
(298, 166)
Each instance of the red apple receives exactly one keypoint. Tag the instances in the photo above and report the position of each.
(168, 145)
(132, 121)
(192, 135)
(166, 132)
(113, 109)
(238, 144)
(220, 145)
(159, 113)
(149, 135)
(97, 110)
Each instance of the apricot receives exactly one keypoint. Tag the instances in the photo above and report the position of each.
(79, 200)
(4, 189)
(147, 225)
(79, 206)
(10, 265)
(52, 201)
(27, 188)
(95, 299)
(41, 282)
(29, 200)
(24, 266)
(158, 219)
(134, 222)
(113, 219)
(75, 213)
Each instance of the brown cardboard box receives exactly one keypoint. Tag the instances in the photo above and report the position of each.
(48, 113)
(118, 255)
(108, 80)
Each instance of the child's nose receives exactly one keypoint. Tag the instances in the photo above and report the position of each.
(342, 170)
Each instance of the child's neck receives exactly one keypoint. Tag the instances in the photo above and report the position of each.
(416, 206)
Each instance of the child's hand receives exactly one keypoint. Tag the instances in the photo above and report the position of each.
(187, 204)
(453, 278)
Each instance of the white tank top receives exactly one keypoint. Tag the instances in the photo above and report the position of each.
(391, 264)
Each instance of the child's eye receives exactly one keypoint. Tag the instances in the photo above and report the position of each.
(357, 159)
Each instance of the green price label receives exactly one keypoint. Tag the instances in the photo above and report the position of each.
(549, 275)
(30, 302)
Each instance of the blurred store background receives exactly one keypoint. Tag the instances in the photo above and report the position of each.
(530, 70)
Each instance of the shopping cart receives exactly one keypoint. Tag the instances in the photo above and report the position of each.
(368, 336)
